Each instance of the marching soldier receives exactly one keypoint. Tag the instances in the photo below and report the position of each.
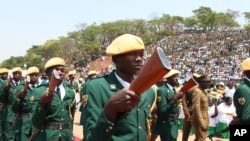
(71, 82)
(168, 108)
(23, 105)
(110, 110)
(91, 75)
(187, 109)
(241, 96)
(54, 111)
(3, 79)
(10, 90)
(200, 119)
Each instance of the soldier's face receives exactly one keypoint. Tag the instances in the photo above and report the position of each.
(17, 75)
(130, 63)
(34, 78)
(4, 76)
(61, 71)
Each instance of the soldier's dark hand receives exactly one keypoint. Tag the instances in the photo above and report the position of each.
(204, 128)
(121, 102)
(6, 87)
(176, 97)
(45, 98)
(235, 122)
(22, 94)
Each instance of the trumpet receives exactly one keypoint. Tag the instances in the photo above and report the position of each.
(155, 68)
(54, 81)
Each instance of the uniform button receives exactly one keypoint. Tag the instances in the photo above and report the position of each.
(61, 118)
(62, 110)
(60, 135)
(138, 109)
(139, 127)
(163, 122)
(107, 130)
(110, 127)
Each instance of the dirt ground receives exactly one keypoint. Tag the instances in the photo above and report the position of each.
(78, 131)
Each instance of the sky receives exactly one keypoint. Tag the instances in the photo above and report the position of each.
(24, 23)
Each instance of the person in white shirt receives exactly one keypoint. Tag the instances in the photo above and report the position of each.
(181, 116)
(226, 112)
(230, 89)
(212, 112)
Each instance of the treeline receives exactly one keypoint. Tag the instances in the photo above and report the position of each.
(90, 41)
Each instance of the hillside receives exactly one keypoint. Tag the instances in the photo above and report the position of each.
(100, 64)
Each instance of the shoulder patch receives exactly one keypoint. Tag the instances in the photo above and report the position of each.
(241, 100)
(84, 100)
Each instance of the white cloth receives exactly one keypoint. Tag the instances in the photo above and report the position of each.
(62, 91)
(223, 111)
(181, 115)
(124, 83)
(212, 121)
(229, 92)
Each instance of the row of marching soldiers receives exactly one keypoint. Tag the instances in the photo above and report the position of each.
(30, 105)
(199, 107)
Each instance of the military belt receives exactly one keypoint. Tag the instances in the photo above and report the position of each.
(173, 116)
(58, 126)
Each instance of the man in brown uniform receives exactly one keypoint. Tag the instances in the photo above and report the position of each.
(200, 119)
(187, 109)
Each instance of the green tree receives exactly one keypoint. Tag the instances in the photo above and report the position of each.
(206, 17)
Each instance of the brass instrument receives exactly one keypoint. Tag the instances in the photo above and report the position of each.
(70, 108)
(188, 85)
(54, 81)
(155, 68)
(24, 93)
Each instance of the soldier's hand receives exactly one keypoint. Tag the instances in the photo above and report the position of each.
(188, 118)
(6, 87)
(121, 102)
(204, 128)
(178, 95)
(45, 98)
(22, 94)
(235, 122)
(71, 78)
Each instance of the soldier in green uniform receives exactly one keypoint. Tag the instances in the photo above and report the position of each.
(10, 90)
(168, 108)
(242, 97)
(55, 108)
(24, 104)
(3, 80)
(112, 112)
(71, 81)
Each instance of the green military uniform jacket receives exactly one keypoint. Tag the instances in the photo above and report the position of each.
(168, 113)
(24, 109)
(74, 84)
(242, 101)
(1, 107)
(95, 94)
(57, 112)
(7, 98)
